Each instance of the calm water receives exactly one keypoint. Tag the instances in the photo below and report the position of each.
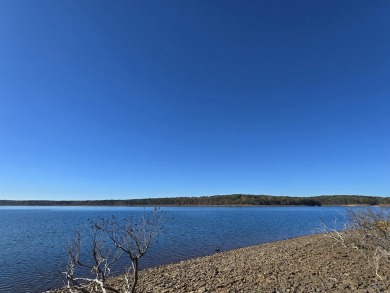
(32, 238)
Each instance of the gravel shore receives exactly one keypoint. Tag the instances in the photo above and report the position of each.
(305, 264)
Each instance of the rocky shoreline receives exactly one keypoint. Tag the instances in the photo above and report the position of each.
(305, 264)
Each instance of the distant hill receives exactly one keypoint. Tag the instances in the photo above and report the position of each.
(215, 200)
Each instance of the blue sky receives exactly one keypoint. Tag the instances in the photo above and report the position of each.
(133, 99)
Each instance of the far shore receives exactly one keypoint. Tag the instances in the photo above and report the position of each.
(174, 205)
(216, 200)
(312, 263)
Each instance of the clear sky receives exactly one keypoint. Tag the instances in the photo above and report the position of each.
(134, 99)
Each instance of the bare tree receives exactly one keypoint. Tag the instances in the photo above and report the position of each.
(99, 263)
(133, 236)
(73, 253)
(368, 231)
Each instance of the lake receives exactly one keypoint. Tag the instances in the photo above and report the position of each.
(32, 238)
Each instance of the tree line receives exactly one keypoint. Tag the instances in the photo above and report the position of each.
(215, 200)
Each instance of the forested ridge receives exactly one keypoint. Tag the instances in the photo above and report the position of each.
(215, 200)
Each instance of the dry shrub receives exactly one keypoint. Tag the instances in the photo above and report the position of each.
(368, 231)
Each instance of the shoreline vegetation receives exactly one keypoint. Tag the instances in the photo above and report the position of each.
(216, 200)
(313, 263)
